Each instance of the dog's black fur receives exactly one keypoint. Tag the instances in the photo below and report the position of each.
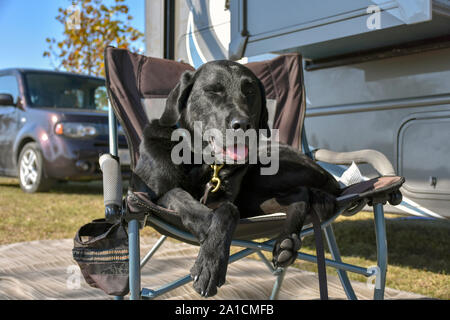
(217, 94)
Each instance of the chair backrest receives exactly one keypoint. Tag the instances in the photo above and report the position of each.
(138, 86)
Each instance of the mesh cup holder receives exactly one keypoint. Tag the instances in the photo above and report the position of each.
(101, 251)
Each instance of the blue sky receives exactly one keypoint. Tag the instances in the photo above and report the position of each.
(25, 24)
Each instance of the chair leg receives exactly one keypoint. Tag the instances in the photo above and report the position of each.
(266, 262)
(380, 232)
(280, 273)
(335, 254)
(153, 251)
(134, 260)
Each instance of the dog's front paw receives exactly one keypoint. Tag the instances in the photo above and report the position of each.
(285, 250)
(208, 272)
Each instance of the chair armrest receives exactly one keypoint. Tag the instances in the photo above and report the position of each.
(112, 185)
(375, 158)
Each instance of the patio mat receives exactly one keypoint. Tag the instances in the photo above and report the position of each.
(45, 270)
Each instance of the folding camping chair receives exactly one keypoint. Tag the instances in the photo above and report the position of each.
(137, 87)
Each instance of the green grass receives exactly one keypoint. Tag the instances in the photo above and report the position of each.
(49, 215)
(419, 250)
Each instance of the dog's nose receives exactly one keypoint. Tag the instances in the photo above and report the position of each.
(240, 123)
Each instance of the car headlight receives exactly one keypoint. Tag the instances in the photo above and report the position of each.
(77, 129)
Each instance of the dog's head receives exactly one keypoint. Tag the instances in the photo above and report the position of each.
(221, 95)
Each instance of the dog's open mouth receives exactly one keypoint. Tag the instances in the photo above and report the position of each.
(230, 153)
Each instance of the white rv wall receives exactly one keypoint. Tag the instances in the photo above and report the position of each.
(154, 28)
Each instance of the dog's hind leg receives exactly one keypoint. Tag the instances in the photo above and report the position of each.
(288, 242)
(300, 205)
(214, 230)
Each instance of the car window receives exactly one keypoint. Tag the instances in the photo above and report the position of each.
(101, 98)
(8, 85)
(65, 91)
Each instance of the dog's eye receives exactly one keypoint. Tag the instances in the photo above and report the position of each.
(248, 90)
(214, 89)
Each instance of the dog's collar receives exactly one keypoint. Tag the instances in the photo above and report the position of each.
(215, 180)
(214, 184)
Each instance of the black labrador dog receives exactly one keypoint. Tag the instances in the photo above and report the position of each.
(225, 95)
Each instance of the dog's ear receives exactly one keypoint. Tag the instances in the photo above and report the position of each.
(264, 116)
(177, 99)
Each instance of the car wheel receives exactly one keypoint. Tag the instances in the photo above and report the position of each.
(31, 169)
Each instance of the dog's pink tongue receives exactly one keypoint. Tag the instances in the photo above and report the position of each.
(237, 152)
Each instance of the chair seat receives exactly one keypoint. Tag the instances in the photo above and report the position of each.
(262, 226)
